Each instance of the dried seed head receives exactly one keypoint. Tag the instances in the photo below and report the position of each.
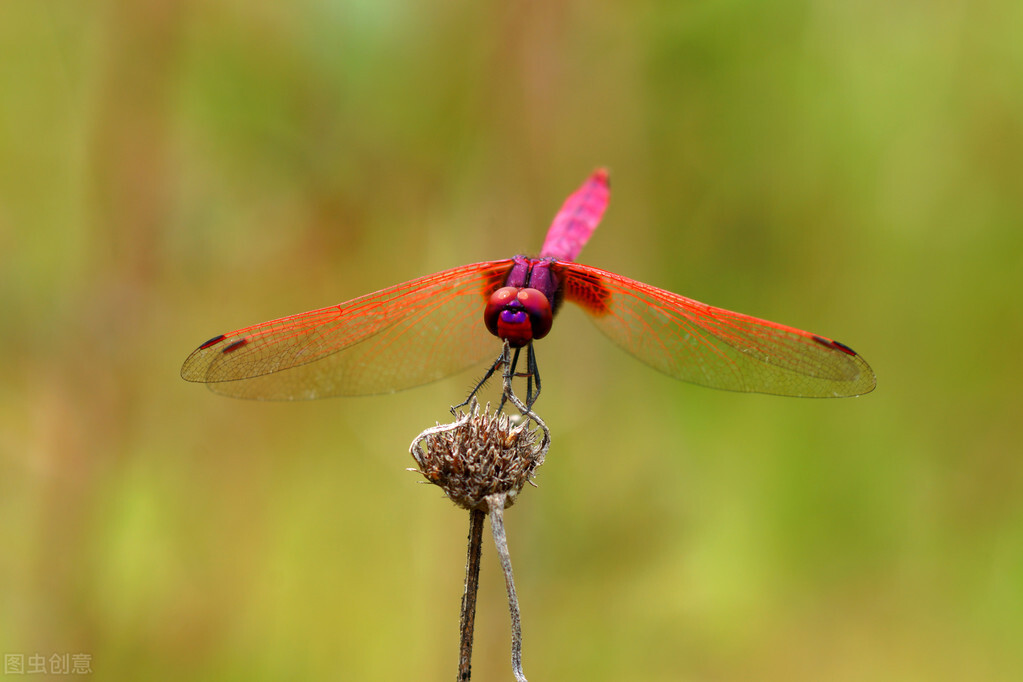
(480, 454)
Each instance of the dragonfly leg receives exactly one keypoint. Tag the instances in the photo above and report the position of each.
(532, 374)
(530, 362)
(510, 361)
(501, 361)
(509, 373)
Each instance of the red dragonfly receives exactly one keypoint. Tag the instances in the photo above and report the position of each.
(428, 328)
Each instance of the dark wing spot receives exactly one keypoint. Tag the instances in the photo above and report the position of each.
(236, 345)
(214, 340)
(586, 290)
(834, 344)
(844, 348)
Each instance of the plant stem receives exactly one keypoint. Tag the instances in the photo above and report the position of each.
(496, 504)
(472, 582)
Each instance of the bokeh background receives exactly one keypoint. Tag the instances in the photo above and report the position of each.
(172, 170)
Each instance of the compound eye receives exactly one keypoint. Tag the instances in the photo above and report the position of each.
(538, 308)
(499, 300)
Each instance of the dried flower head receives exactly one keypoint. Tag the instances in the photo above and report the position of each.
(481, 453)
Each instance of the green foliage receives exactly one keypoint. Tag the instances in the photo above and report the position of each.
(172, 170)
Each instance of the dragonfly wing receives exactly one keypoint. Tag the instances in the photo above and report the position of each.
(711, 346)
(403, 336)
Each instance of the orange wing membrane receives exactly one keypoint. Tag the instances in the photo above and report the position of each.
(714, 347)
(403, 336)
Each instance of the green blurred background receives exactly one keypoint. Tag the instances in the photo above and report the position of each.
(171, 170)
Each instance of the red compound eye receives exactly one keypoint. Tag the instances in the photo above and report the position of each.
(539, 310)
(498, 300)
(518, 316)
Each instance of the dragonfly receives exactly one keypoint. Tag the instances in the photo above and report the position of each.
(429, 328)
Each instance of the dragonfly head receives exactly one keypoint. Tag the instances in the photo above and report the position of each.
(518, 315)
